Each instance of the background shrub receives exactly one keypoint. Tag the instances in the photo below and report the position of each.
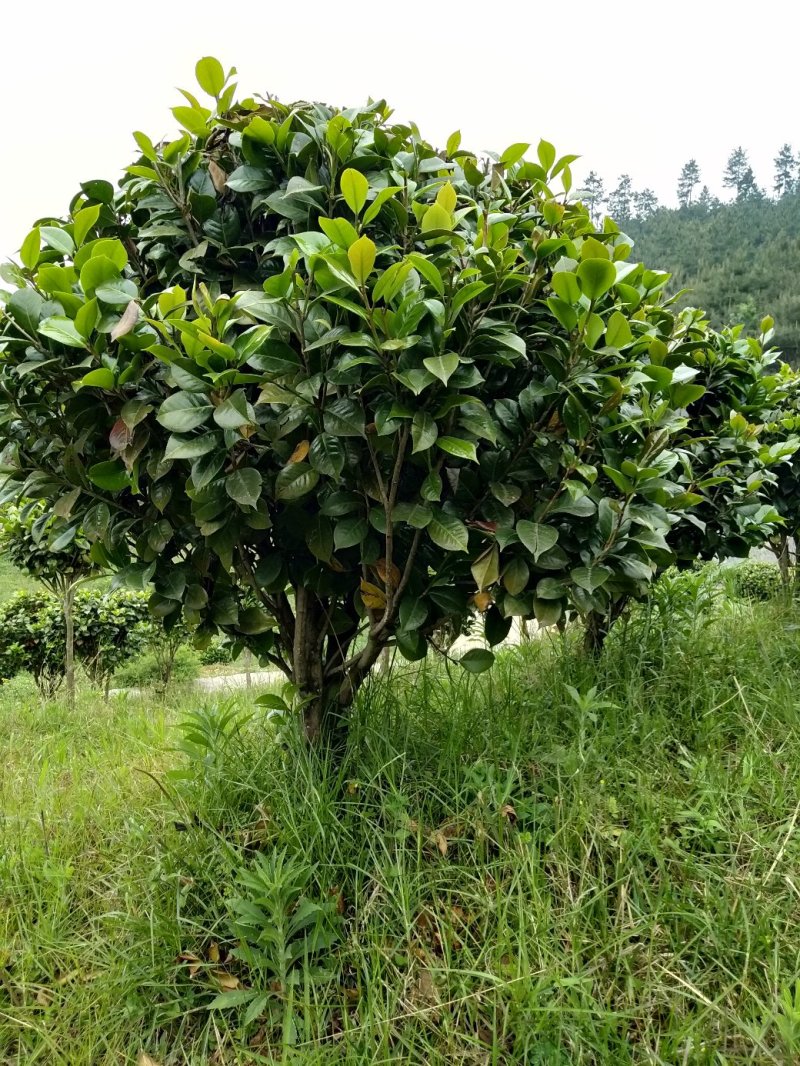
(753, 580)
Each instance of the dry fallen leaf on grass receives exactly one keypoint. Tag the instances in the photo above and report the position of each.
(226, 980)
(146, 1060)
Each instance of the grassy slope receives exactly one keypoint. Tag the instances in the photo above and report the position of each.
(525, 877)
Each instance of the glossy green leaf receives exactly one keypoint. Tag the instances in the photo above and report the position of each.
(243, 485)
(537, 538)
(62, 330)
(477, 660)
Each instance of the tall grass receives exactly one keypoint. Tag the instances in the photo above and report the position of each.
(564, 861)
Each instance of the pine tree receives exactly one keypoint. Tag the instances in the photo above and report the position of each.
(785, 180)
(593, 195)
(620, 201)
(739, 176)
(645, 203)
(706, 200)
(689, 177)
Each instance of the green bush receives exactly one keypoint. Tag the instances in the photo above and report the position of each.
(32, 636)
(218, 651)
(147, 670)
(753, 580)
(109, 627)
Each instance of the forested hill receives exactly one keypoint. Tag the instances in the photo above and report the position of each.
(740, 260)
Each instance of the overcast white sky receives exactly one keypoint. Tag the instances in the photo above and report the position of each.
(634, 87)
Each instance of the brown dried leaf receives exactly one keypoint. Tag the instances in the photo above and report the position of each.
(195, 962)
(508, 811)
(389, 575)
(300, 452)
(213, 951)
(227, 981)
(129, 319)
(146, 1060)
(218, 176)
(43, 997)
(440, 840)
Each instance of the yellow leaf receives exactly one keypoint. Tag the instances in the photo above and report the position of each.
(213, 951)
(146, 1060)
(300, 452)
(373, 597)
(441, 841)
(226, 980)
(362, 259)
(446, 198)
(390, 576)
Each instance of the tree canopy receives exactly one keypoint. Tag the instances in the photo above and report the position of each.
(328, 388)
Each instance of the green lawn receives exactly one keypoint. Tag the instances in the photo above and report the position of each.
(12, 580)
(564, 861)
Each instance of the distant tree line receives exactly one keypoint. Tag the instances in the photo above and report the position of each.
(739, 259)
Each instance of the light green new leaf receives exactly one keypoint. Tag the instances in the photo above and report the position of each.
(596, 277)
(362, 259)
(339, 230)
(29, 252)
(210, 75)
(442, 366)
(61, 329)
(436, 218)
(354, 188)
(618, 332)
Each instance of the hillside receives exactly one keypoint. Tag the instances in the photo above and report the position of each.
(740, 260)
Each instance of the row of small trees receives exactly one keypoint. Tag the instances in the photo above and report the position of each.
(328, 389)
(623, 202)
(107, 630)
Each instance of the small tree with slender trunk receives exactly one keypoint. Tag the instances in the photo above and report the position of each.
(48, 547)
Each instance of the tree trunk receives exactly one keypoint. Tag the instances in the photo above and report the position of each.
(308, 668)
(69, 660)
(597, 627)
(781, 551)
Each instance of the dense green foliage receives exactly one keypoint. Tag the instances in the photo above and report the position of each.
(739, 261)
(44, 545)
(109, 629)
(329, 389)
(753, 580)
(522, 886)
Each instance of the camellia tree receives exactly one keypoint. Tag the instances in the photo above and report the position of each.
(785, 494)
(46, 545)
(327, 389)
